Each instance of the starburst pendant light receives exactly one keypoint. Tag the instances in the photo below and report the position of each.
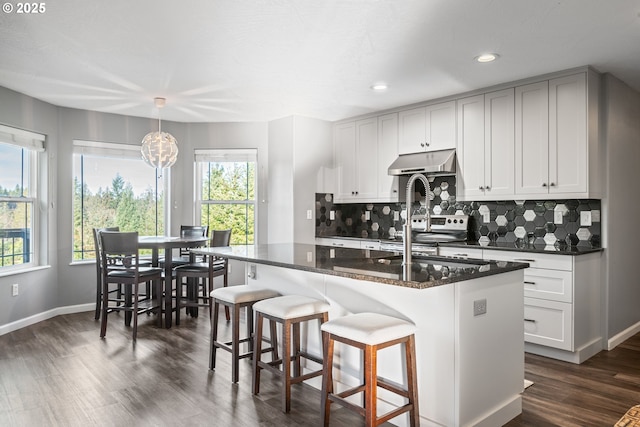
(159, 149)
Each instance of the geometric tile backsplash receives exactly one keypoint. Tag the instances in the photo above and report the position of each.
(538, 222)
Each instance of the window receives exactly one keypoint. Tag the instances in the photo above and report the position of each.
(225, 192)
(113, 186)
(19, 197)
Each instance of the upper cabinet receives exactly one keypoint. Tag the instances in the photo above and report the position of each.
(363, 151)
(428, 128)
(486, 146)
(553, 141)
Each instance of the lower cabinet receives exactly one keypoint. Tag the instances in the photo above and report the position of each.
(562, 304)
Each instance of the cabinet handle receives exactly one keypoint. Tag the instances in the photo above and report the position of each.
(487, 188)
(529, 283)
(465, 255)
(524, 260)
(481, 188)
(427, 143)
(552, 184)
(529, 320)
(544, 184)
(338, 244)
(422, 144)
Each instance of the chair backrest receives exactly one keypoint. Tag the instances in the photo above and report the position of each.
(220, 238)
(194, 230)
(119, 249)
(97, 244)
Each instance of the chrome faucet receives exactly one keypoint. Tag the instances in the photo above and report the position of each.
(406, 255)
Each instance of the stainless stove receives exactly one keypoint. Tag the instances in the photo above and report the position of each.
(444, 228)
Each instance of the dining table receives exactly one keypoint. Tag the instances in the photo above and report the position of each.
(167, 244)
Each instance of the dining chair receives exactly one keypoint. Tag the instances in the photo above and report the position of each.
(121, 265)
(98, 249)
(184, 257)
(200, 275)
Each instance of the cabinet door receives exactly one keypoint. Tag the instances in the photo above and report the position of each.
(387, 153)
(470, 147)
(568, 134)
(499, 143)
(412, 131)
(366, 159)
(532, 139)
(440, 126)
(344, 147)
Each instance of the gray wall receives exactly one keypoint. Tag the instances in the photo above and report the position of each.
(300, 154)
(621, 204)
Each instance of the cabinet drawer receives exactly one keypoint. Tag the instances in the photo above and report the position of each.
(555, 285)
(548, 323)
(553, 262)
(337, 242)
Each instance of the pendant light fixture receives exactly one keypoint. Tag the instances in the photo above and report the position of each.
(159, 149)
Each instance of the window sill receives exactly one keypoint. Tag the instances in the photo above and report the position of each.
(23, 270)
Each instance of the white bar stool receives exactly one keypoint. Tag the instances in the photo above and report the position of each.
(235, 298)
(370, 332)
(290, 311)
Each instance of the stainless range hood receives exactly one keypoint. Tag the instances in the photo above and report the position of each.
(442, 161)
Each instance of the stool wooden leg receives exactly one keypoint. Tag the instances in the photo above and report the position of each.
(250, 329)
(214, 336)
(257, 353)
(286, 366)
(412, 381)
(371, 384)
(327, 379)
(296, 349)
(178, 298)
(273, 333)
(235, 343)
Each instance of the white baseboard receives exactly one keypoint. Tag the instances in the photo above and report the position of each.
(31, 320)
(623, 336)
(583, 353)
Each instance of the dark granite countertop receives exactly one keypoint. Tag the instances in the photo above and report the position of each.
(375, 266)
(518, 247)
(515, 246)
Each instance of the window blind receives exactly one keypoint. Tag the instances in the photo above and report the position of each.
(107, 149)
(23, 138)
(226, 155)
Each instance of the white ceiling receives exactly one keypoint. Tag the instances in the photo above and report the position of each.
(257, 60)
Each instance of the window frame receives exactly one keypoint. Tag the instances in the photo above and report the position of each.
(33, 145)
(114, 150)
(203, 157)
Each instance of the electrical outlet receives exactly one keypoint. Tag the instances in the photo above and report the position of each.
(15, 290)
(585, 218)
(309, 214)
(367, 215)
(480, 307)
(486, 217)
(396, 216)
(332, 215)
(557, 217)
(309, 256)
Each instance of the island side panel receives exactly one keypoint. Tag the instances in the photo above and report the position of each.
(490, 354)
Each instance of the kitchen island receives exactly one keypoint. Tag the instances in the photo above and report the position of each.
(469, 344)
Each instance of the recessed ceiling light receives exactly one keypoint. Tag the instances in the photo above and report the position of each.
(379, 87)
(487, 57)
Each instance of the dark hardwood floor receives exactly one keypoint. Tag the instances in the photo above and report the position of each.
(59, 372)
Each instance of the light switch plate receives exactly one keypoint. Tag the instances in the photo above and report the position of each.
(309, 214)
(585, 218)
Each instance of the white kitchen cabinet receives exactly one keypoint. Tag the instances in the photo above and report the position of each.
(532, 138)
(356, 160)
(428, 128)
(562, 303)
(556, 138)
(486, 146)
(388, 186)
